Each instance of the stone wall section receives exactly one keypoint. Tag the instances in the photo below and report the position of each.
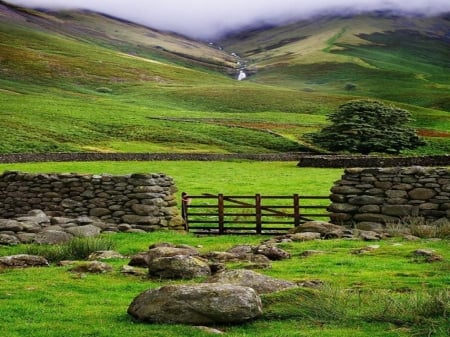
(372, 197)
(145, 201)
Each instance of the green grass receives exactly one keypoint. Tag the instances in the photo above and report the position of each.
(44, 301)
(109, 89)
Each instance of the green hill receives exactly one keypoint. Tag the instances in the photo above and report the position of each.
(83, 81)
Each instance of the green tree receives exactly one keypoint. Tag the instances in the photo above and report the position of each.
(365, 126)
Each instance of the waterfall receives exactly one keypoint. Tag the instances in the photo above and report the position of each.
(242, 75)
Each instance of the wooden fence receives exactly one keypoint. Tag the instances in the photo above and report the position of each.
(257, 214)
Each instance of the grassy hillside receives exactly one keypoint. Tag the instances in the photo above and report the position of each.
(81, 81)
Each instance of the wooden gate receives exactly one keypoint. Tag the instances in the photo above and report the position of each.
(257, 214)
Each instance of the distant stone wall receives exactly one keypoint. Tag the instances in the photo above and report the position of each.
(145, 201)
(378, 196)
(338, 161)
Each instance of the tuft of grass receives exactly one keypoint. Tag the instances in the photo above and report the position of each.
(75, 249)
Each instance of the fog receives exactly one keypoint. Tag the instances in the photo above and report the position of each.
(209, 19)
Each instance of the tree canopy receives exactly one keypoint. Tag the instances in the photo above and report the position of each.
(364, 126)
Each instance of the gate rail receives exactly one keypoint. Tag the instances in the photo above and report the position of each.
(256, 214)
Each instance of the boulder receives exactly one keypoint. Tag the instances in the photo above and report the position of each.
(36, 216)
(306, 236)
(262, 284)
(139, 260)
(178, 267)
(84, 231)
(10, 225)
(272, 252)
(94, 267)
(105, 255)
(169, 251)
(52, 237)
(195, 304)
(8, 239)
(23, 260)
(321, 227)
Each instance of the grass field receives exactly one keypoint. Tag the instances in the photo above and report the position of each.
(96, 84)
(386, 292)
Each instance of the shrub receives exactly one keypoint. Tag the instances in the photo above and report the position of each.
(365, 126)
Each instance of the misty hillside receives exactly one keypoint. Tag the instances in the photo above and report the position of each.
(84, 81)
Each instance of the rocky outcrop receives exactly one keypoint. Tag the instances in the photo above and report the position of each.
(204, 304)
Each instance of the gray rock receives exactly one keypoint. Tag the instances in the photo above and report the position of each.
(369, 236)
(23, 260)
(8, 239)
(99, 212)
(84, 231)
(51, 237)
(170, 251)
(36, 216)
(105, 255)
(197, 304)
(262, 284)
(93, 267)
(321, 227)
(306, 236)
(178, 267)
(397, 210)
(10, 225)
(272, 252)
(422, 193)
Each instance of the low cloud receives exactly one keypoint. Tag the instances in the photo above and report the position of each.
(208, 19)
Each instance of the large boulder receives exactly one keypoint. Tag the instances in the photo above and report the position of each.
(23, 260)
(262, 284)
(85, 231)
(178, 267)
(52, 237)
(272, 252)
(197, 304)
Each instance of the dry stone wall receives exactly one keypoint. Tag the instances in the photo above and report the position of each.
(144, 201)
(372, 197)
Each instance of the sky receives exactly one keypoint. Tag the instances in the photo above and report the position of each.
(209, 19)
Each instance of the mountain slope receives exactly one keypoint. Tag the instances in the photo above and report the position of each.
(83, 81)
(381, 55)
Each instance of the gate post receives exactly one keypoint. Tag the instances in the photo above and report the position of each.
(296, 210)
(220, 207)
(185, 201)
(258, 213)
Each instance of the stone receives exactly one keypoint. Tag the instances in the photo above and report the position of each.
(139, 260)
(397, 210)
(369, 236)
(342, 208)
(23, 261)
(170, 251)
(85, 231)
(205, 304)
(144, 210)
(8, 239)
(366, 200)
(222, 257)
(369, 209)
(10, 225)
(321, 227)
(370, 226)
(272, 252)
(306, 236)
(93, 267)
(99, 212)
(178, 267)
(129, 270)
(345, 190)
(52, 237)
(241, 250)
(36, 216)
(422, 193)
(262, 284)
(105, 255)
(139, 219)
